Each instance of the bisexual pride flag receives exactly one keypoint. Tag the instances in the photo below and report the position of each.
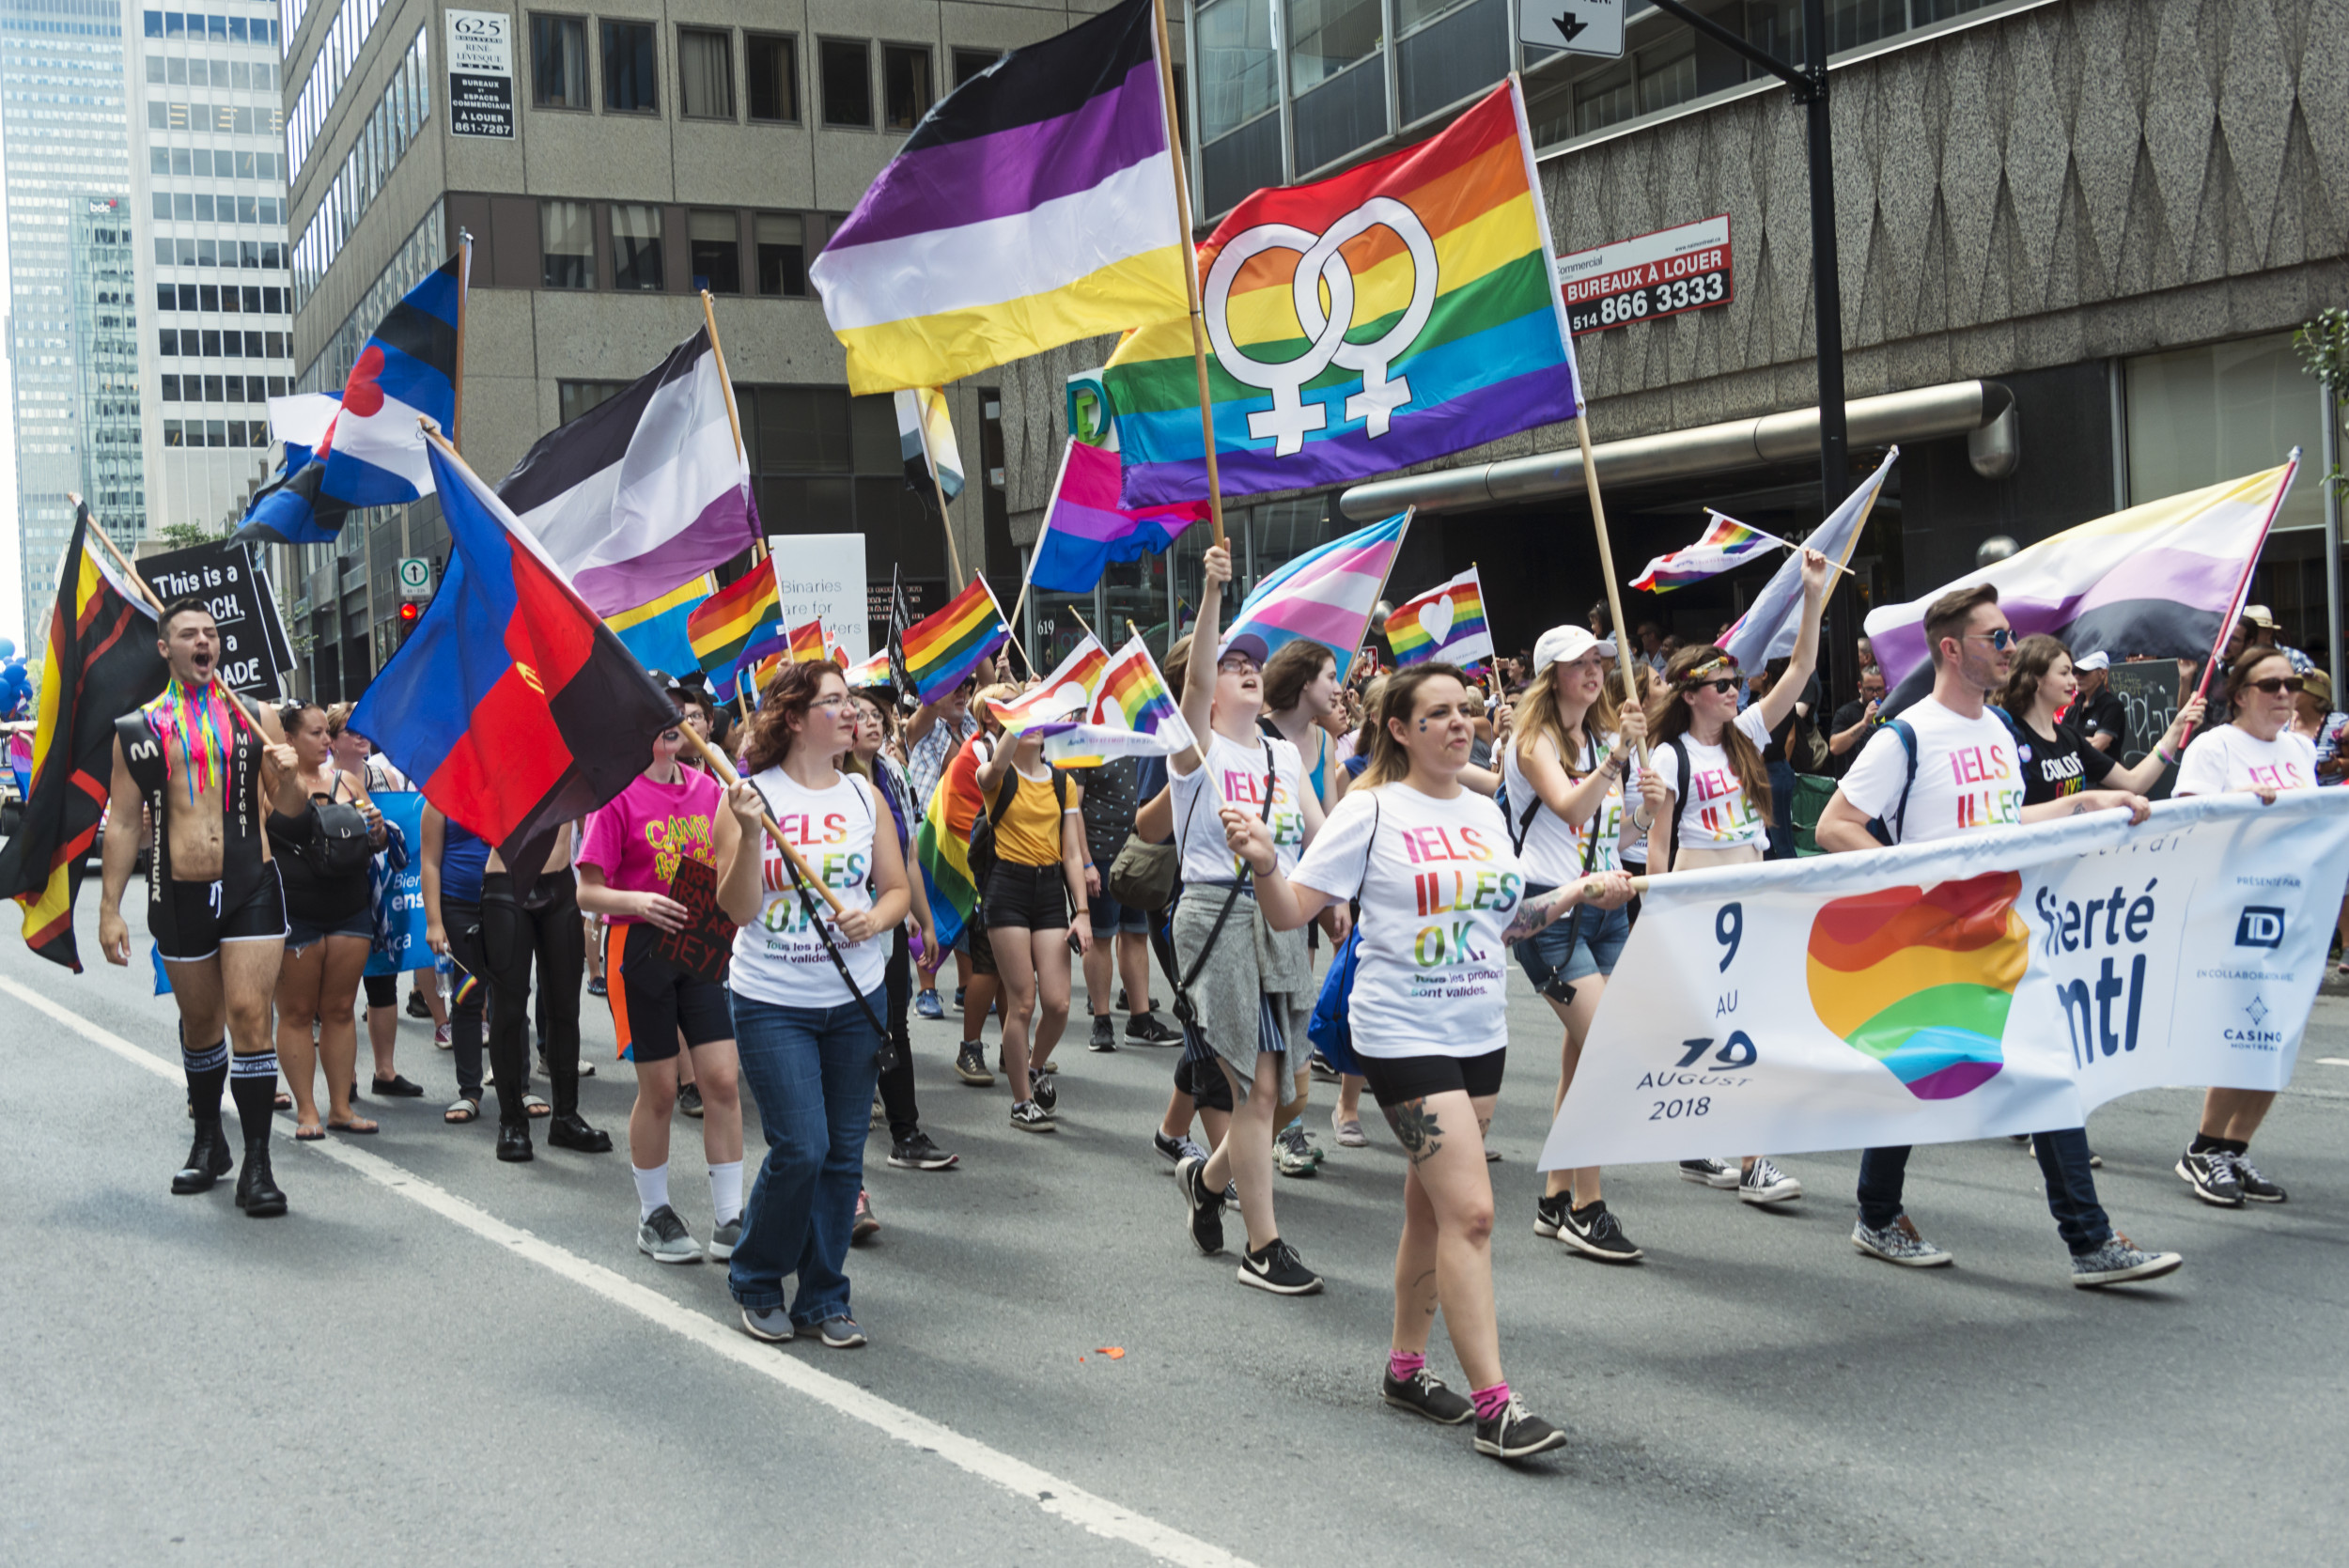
(1325, 595)
(1086, 528)
(1446, 622)
(1725, 543)
(1394, 313)
(1033, 206)
(1131, 714)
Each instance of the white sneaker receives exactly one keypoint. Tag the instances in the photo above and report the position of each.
(1898, 1243)
(1767, 1184)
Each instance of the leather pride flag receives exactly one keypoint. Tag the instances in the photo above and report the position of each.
(512, 706)
(100, 663)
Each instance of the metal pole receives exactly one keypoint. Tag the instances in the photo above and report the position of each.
(1828, 322)
(2328, 450)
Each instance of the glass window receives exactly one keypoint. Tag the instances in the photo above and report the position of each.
(716, 242)
(848, 82)
(1240, 76)
(704, 68)
(906, 92)
(780, 241)
(775, 69)
(1666, 81)
(567, 245)
(171, 389)
(577, 397)
(558, 62)
(630, 63)
(1602, 99)
(636, 247)
(1327, 36)
(970, 62)
(2200, 415)
(210, 341)
(171, 433)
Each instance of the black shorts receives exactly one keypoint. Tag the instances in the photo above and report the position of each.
(652, 998)
(1394, 1079)
(198, 924)
(1034, 896)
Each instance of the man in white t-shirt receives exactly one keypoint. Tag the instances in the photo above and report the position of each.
(1945, 766)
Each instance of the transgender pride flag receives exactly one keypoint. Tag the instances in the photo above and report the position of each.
(1326, 595)
(1085, 529)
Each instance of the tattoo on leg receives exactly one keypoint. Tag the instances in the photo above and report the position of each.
(1415, 1129)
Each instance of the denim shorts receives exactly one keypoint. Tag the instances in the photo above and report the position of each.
(1576, 949)
(1109, 915)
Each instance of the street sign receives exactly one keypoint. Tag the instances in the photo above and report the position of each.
(1576, 27)
(1683, 268)
(415, 577)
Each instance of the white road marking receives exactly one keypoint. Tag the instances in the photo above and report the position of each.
(2333, 1061)
(1095, 1515)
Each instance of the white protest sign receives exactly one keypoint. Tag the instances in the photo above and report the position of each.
(821, 576)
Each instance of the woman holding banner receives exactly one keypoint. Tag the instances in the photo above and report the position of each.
(1429, 1010)
(2058, 760)
(2259, 752)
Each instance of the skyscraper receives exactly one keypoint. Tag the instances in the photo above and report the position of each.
(61, 116)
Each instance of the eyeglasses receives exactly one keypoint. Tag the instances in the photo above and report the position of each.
(1998, 637)
(2274, 684)
(833, 703)
(1240, 664)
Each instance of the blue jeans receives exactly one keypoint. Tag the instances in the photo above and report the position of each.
(810, 1070)
(2062, 1161)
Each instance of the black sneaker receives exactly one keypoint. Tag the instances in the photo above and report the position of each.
(919, 1154)
(689, 1100)
(1104, 1033)
(1422, 1393)
(971, 1064)
(1323, 1072)
(417, 1006)
(1516, 1434)
(1593, 1233)
(1550, 1213)
(1177, 1150)
(1277, 1267)
(1125, 1006)
(1204, 1220)
(1028, 1116)
(2212, 1177)
(1040, 1085)
(1144, 1029)
(2256, 1188)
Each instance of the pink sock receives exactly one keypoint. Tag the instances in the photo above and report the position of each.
(1404, 1365)
(1490, 1402)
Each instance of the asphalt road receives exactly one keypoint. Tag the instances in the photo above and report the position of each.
(440, 1359)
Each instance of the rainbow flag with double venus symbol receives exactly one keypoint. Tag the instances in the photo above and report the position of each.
(1132, 714)
(1725, 543)
(1446, 622)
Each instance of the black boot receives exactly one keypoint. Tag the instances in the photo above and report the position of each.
(257, 1187)
(571, 1131)
(514, 1143)
(209, 1159)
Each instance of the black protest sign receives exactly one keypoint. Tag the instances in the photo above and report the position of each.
(705, 944)
(222, 576)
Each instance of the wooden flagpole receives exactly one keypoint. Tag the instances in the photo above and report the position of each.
(937, 486)
(1191, 269)
(725, 770)
(464, 286)
(146, 591)
(1607, 561)
(717, 352)
(1012, 633)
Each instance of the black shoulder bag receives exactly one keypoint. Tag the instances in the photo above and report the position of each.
(1186, 1011)
(887, 1060)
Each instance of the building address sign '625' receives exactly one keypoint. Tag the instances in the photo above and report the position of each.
(480, 49)
(1685, 268)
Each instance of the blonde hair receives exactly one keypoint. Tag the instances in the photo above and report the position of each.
(1538, 716)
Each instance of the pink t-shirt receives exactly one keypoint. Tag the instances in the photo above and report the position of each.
(638, 838)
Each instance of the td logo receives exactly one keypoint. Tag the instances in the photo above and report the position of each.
(2261, 926)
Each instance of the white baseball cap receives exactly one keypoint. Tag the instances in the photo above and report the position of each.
(2097, 661)
(1566, 644)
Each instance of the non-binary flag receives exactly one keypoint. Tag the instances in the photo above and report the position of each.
(926, 443)
(646, 490)
(1768, 628)
(941, 649)
(1067, 689)
(1725, 543)
(512, 706)
(2158, 580)
(1454, 333)
(1033, 205)
(1132, 714)
(1087, 528)
(100, 663)
(727, 619)
(655, 631)
(1326, 595)
(1446, 622)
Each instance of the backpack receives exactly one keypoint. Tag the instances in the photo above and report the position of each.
(1331, 1027)
(337, 845)
(983, 856)
(1888, 830)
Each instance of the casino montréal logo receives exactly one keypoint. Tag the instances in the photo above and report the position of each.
(1921, 978)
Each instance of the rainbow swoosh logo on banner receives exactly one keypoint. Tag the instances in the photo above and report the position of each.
(1921, 978)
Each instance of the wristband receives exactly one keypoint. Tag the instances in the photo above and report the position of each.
(2169, 758)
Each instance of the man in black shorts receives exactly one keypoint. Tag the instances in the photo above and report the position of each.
(204, 767)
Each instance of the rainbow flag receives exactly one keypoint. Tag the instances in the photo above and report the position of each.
(807, 643)
(1725, 543)
(1132, 714)
(655, 631)
(1065, 691)
(1454, 333)
(872, 672)
(1446, 622)
(1033, 205)
(942, 846)
(1326, 595)
(942, 647)
(729, 619)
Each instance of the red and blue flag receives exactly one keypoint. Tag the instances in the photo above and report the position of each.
(512, 705)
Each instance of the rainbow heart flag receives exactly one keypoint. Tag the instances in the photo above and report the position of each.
(1725, 543)
(942, 647)
(1065, 691)
(1446, 622)
(1397, 312)
(1132, 714)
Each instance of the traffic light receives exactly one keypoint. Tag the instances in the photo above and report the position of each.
(409, 614)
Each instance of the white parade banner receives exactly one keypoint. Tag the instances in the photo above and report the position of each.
(1990, 983)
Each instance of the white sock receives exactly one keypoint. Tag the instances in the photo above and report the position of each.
(652, 1189)
(725, 1191)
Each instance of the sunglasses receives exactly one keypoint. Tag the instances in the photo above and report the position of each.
(1724, 685)
(2274, 684)
(2002, 637)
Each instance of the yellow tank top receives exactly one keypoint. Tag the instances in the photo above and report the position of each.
(1028, 833)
